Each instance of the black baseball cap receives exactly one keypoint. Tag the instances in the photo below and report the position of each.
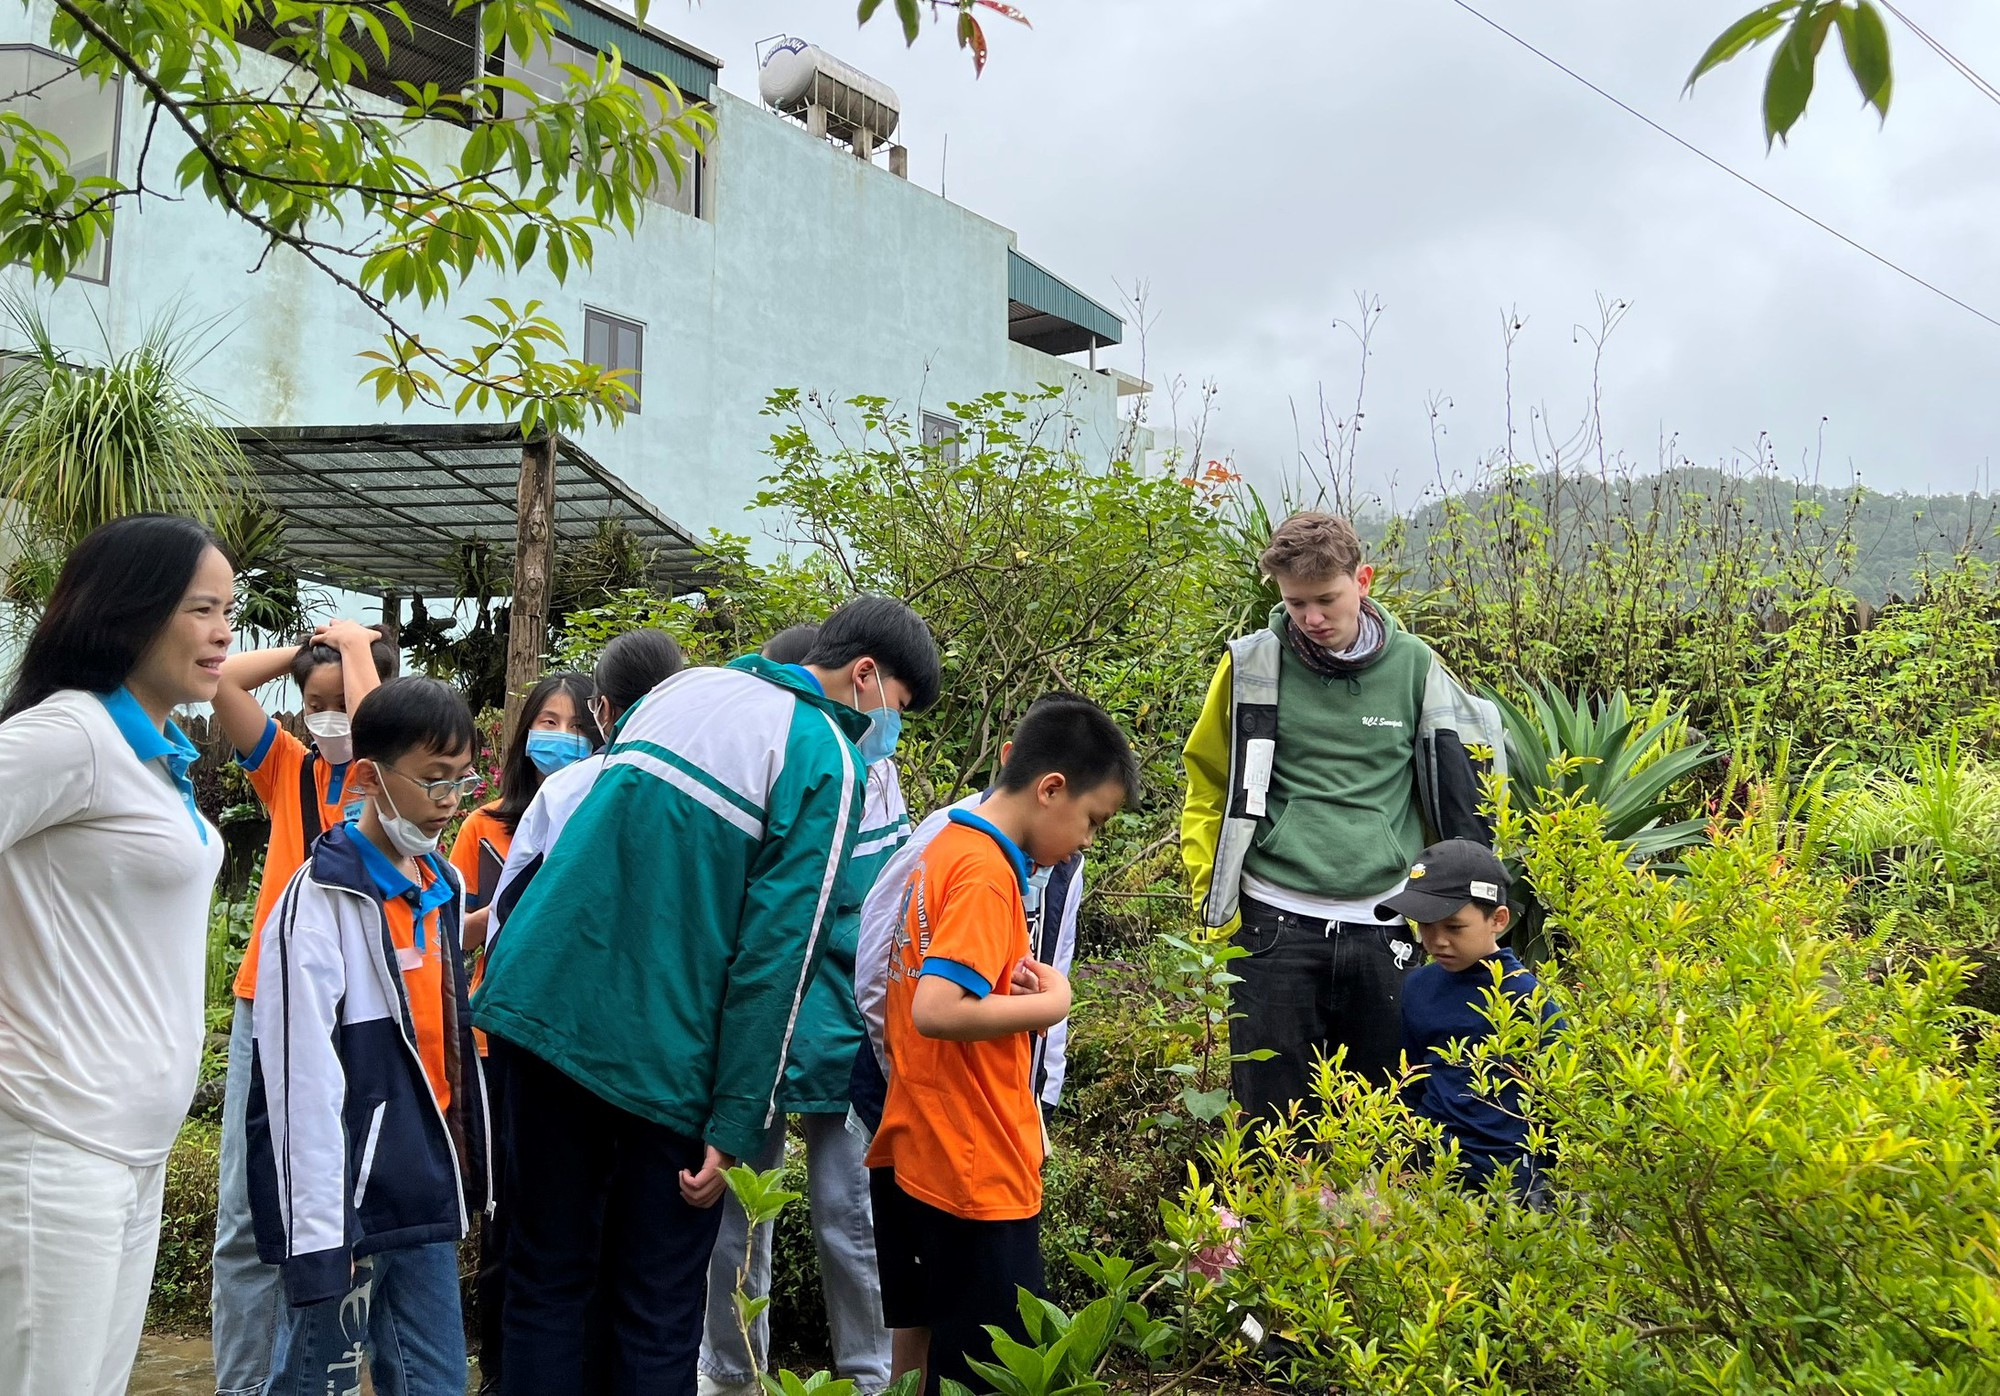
(1444, 878)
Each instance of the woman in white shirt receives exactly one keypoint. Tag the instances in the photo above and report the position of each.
(106, 868)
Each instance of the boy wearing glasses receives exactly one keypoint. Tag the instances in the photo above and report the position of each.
(367, 1113)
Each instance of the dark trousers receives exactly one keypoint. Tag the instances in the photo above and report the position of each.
(1307, 990)
(953, 1276)
(598, 1207)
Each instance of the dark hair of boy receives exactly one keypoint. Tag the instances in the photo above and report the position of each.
(792, 644)
(890, 633)
(1075, 739)
(116, 592)
(519, 779)
(633, 665)
(412, 713)
(311, 657)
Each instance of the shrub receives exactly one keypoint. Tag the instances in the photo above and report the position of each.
(187, 1231)
(1776, 1171)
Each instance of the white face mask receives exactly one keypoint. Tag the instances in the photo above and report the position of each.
(333, 734)
(408, 839)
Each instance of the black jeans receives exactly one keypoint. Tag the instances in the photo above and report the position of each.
(598, 1206)
(1308, 989)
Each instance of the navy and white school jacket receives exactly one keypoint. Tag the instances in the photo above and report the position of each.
(349, 1153)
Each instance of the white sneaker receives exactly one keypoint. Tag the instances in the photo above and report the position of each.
(706, 1385)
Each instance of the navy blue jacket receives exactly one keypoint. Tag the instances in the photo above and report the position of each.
(349, 1153)
(1441, 1008)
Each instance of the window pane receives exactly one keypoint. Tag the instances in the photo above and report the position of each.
(615, 344)
(79, 111)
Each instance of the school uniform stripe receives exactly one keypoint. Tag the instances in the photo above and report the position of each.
(836, 863)
(700, 791)
(688, 768)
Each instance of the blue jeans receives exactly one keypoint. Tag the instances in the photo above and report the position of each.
(844, 1232)
(244, 1295)
(401, 1317)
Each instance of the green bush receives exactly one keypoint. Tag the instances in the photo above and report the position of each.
(1778, 1170)
(187, 1231)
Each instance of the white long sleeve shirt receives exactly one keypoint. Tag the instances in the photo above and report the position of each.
(106, 869)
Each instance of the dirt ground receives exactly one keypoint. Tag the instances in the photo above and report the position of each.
(176, 1366)
(170, 1366)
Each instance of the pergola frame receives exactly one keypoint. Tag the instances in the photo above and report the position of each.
(384, 509)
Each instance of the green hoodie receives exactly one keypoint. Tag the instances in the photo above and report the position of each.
(1342, 817)
(662, 956)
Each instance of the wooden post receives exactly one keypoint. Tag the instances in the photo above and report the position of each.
(392, 621)
(534, 562)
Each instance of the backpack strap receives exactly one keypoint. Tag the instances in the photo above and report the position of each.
(310, 824)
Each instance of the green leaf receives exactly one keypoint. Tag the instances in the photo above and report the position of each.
(909, 12)
(1747, 32)
(1789, 85)
(1865, 39)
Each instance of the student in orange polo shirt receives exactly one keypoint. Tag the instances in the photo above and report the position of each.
(956, 1167)
(557, 730)
(306, 792)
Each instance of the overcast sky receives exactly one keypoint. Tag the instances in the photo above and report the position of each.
(1258, 164)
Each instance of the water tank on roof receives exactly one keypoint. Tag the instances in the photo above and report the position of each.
(798, 76)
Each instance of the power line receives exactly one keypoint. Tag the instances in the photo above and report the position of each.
(1733, 173)
(1959, 65)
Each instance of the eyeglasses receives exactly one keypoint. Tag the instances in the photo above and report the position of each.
(445, 791)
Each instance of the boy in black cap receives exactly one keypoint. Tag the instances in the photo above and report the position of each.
(1457, 896)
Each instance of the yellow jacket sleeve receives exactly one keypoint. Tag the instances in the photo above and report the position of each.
(1206, 757)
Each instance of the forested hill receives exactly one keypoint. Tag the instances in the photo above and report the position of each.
(1893, 535)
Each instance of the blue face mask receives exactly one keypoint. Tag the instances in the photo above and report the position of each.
(551, 751)
(885, 729)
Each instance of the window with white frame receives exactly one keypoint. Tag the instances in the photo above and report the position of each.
(941, 435)
(615, 343)
(79, 111)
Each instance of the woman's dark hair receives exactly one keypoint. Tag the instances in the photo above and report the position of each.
(792, 644)
(311, 657)
(519, 777)
(410, 714)
(633, 665)
(888, 632)
(118, 589)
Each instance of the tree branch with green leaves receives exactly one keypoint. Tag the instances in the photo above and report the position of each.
(1801, 29)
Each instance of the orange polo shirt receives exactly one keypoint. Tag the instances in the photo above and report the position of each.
(482, 823)
(422, 963)
(273, 768)
(961, 1126)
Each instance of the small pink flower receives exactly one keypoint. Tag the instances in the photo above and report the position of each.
(1227, 1219)
(1212, 1262)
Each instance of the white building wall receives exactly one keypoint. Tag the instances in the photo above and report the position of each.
(813, 270)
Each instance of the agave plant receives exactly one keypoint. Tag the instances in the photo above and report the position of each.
(1560, 749)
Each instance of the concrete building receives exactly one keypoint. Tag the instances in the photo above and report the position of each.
(789, 262)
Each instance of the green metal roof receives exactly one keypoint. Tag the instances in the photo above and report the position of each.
(1049, 314)
(694, 74)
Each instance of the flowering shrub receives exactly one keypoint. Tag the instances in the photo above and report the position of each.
(1777, 1169)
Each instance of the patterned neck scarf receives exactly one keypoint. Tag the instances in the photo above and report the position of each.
(1342, 664)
